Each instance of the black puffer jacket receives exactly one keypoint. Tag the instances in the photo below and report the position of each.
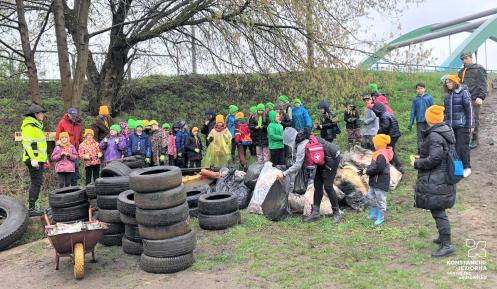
(352, 119)
(388, 123)
(190, 145)
(379, 173)
(458, 108)
(475, 77)
(432, 190)
(259, 135)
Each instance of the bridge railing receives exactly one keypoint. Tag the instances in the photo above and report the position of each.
(398, 67)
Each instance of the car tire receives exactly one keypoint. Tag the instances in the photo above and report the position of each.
(171, 247)
(126, 203)
(127, 220)
(115, 169)
(70, 214)
(164, 217)
(166, 265)
(219, 222)
(112, 239)
(154, 179)
(161, 199)
(132, 248)
(107, 202)
(67, 197)
(111, 186)
(165, 232)
(131, 232)
(109, 216)
(15, 223)
(90, 191)
(217, 204)
(193, 212)
(115, 228)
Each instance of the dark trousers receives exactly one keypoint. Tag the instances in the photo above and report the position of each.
(92, 172)
(442, 221)
(278, 157)
(252, 150)
(325, 177)
(75, 176)
(420, 127)
(171, 160)
(194, 164)
(65, 179)
(242, 155)
(476, 117)
(462, 145)
(395, 161)
(233, 149)
(36, 180)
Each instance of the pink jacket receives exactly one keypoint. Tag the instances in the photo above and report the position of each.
(171, 145)
(65, 163)
(383, 99)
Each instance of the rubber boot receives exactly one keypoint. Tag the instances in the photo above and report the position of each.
(381, 217)
(445, 249)
(336, 217)
(314, 216)
(373, 213)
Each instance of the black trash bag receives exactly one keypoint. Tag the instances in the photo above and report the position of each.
(301, 182)
(252, 175)
(275, 205)
(230, 184)
(356, 200)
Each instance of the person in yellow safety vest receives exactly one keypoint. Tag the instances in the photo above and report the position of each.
(34, 155)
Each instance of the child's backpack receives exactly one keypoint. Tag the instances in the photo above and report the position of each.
(455, 169)
(314, 152)
(243, 135)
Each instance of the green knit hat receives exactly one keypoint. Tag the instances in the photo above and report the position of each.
(261, 106)
(233, 109)
(253, 109)
(131, 123)
(283, 98)
(270, 105)
(297, 101)
(152, 122)
(373, 87)
(166, 125)
(140, 123)
(116, 128)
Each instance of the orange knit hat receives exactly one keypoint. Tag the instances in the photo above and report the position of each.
(454, 78)
(103, 110)
(219, 118)
(381, 141)
(435, 114)
(89, 131)
(239, 115)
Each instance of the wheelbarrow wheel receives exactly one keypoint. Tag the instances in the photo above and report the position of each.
(79, 261)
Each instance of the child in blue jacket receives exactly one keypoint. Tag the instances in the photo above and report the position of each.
(139, 143)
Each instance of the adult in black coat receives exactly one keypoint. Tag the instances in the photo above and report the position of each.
(389, 126)
(209, 124)
(432, 190)
(328, 122)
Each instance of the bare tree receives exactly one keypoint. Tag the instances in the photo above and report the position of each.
(13, 18)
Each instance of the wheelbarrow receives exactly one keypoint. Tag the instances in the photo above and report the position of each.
(75, 240)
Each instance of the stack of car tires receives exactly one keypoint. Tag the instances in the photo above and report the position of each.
(218, 211)
(69, 204)
(163, 219)
(132, 241)
(114, 181)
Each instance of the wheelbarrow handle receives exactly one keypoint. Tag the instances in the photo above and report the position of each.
(90, 214)
(45, 217)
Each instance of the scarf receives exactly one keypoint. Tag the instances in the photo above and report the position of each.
(259, 121)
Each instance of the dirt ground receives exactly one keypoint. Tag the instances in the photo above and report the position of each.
(32, 265)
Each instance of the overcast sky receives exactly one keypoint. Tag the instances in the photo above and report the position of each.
(434, 11)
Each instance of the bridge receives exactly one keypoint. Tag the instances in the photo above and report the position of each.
(481, 31)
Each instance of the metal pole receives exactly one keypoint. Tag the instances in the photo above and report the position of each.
(486, 55)
(450, 46)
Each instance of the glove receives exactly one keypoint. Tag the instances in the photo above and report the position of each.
(197, 150)
(106, 140)
(35, 164)
(210, 139)
(87, 157)
(99, 155)
(116, 141)
(147, 160)
(180, 154)
(479, 101)
(162, 158)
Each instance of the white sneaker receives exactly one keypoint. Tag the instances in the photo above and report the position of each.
(467, 172)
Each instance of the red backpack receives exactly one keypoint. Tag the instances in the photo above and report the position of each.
(314, 152)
